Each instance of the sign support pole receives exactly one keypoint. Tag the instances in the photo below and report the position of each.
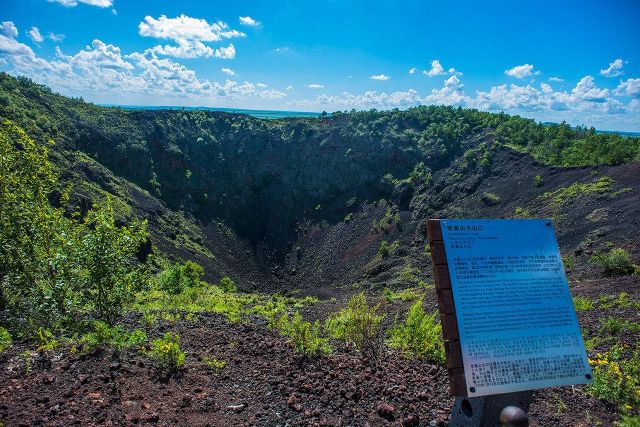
(499, 410)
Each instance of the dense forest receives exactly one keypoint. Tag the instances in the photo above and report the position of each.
(118, 226)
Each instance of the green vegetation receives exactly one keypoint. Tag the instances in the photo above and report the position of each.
(617, 379)
(116, 337)
(177, 278)
(582, 304)
(385, 223)
(602, 186)
(5, 339)
(214, 364)
(167, 352)
(356, 324)
(385, 249)
(522, 213)
(227, 285)
(491, 199)
(305, 336)
(616, 262)
(57, 268)
(538, 181)
(420, 335)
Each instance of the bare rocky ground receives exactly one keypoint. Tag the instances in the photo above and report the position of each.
(265, 383)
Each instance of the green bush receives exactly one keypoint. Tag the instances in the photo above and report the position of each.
(537, 181)
(616, 379)
(582, 304)
(491, 199)
(214, 364)
(5, 339)
(420, 335)
(55, 267)
(116, 337)
(227, 285)
(177, 278)
(357, 323)
(305, 336)
(616, 262)
(166, 351)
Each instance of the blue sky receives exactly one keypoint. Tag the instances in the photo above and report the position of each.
(577, 61)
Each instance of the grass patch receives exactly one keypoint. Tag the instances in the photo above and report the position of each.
(562, 196)
(582, 304)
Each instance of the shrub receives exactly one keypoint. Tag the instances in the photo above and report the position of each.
(305, 336)
(116, 337)
(383, 250)
(112, 277)
(420, 335)
(355, 324)
(167, 352)
(177, 278)
(5, 339)
(227, 285)
(616, 379)
(582, 304)
(214, 364)
(537, 181)
(616, 262)
(491, 199)
(55, 267)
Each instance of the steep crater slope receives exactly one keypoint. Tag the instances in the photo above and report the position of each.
(307, 203)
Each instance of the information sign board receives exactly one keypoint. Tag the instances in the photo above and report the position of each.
(516, 322)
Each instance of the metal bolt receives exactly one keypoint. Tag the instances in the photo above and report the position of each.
(512, 416)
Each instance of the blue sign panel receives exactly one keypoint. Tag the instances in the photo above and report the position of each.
(518, 327)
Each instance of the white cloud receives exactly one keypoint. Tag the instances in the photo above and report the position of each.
(262, 85)
(8, 43)
(289, 87)
(56, 37)
(228, 71)
(35, 35)
(189, 34)
(247, 20)
(371, 99)
(99, 55)
(587, 90)
(614, 69)
(380, 77)
(546, 88)
(412, 70)
(450, 94)
(228, 52)
(315, 86)
(185, 49)
(521, 71)
(186, 28)
(74, 3)
(629, 87)
(283, 49)
(436, 69)
(9, 29)
(271, 94)
(555, 79)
